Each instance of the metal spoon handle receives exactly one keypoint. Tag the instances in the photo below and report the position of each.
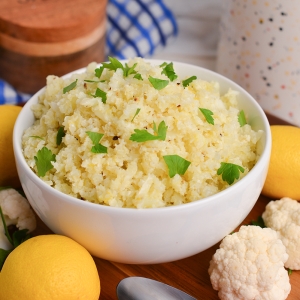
(140, 288)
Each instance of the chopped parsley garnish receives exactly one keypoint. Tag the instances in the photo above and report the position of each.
(36, 137)
(176, 164)
(100, 94)
(94, 81)
(138, 76)
(99, 71)
(16, 238)
(242, 118)
(60, 135)
(144, 135)
(230, 172)
(208, 114)
(113, 64)
(129, 70)
(157, 83)
(136, 113)
(96, 137)
(70, 87)
(289, 271)
(168, 70)
(187, 81)
(43, 160)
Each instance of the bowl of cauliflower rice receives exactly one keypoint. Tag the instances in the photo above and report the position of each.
(142, 161)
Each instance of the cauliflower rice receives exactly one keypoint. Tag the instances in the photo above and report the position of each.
(134, 174)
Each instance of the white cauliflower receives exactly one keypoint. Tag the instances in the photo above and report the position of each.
(283, 216)
(250, 265)
(16, 211)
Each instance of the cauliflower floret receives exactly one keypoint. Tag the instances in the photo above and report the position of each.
(16, 211)
(283, 216)
(250, 265)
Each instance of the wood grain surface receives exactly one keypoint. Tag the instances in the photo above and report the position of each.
(189, 275)
(49, 37)
(50, 20)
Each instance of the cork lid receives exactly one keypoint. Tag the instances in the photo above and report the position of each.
(50, 20)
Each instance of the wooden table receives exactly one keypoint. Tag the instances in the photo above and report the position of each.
(189, 275)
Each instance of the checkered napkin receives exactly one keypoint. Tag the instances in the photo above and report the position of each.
(134, 28)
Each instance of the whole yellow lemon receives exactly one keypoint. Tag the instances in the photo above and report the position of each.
(283, 178)
(49, 267)
(8, 170)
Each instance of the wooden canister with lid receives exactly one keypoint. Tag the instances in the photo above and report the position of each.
(49, 37)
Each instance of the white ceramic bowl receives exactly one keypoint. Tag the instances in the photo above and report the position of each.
(151, 235)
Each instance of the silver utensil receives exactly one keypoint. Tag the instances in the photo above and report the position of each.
(140, 288)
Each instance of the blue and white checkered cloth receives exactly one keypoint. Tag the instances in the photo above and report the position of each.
(134, 28)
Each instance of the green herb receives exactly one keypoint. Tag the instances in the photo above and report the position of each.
(129, 70)
(208, 115)
(100, 94)
(15, 239)
(136, 113)
(168, 70)
(187, 81)
(36, 137)
(43, 160)
(94, 81)
(242, 118)
(176, 164)
(96, 137)
(230, 172)
(157, 83)
(259, 222)
(113, 65)
(138, 76)
(144, 135)
(60, 135)
(70, 87)
(99, 71)
(289, 271)
(5, 188)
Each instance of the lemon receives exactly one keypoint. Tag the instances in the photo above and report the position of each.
(8, 170)
(283, 178)
(49, 267)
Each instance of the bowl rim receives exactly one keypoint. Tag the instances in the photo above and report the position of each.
(265, 155)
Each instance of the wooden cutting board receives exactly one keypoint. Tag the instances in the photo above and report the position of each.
(43, 37)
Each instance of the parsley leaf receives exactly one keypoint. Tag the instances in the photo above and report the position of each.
(60, 135)
(259, 222)
(129, 70)
(157, 83)
(290, 271)
(15, 239)
(208, 115)
(100, 94)
(187, 81)
(93, 81)
(70, 87)
(99, 71)
(168, 70)
(176, 164)
(96, 137)
(136, 113)
(43, 160)
(138, 76)
(242, 118)
(113, 65)
(144, 135)
(230, 172)
(36, 137)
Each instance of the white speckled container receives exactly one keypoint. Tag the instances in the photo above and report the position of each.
(259, 48)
